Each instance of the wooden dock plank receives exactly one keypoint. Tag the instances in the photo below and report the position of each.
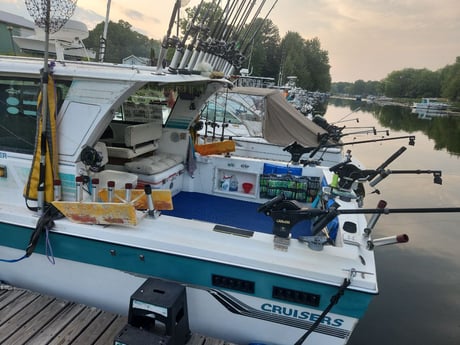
(34, 325)
(20, 301)
(8, 296)
(112, 331)
(28, 318)
(73, 329)
(55, 326)
(93, 332)
(22, 315)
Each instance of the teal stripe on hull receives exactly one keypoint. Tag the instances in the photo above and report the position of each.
(179, 268)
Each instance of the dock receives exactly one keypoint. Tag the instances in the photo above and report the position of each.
(31, 318)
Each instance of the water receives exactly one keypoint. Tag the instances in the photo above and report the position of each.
(419, 282)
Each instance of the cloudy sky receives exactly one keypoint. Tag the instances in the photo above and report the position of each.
(366, 39)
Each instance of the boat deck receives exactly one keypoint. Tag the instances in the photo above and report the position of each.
(28, 317)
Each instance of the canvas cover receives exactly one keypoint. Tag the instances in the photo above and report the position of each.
(282, 123)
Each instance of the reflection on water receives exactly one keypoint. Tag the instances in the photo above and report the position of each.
(444, 130)
(419, 282)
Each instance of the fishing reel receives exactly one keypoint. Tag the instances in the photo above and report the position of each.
(287, 213)
(93, 158)
(348, 173)
(296, 151)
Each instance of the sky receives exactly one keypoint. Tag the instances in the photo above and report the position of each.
(365, 39)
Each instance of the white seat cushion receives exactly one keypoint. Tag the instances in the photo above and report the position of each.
(154, 164)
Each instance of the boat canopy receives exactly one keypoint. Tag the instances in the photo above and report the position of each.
(281, 123)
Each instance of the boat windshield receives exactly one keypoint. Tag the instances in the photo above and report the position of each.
(147, 104)
(236, 109)
(153, 102)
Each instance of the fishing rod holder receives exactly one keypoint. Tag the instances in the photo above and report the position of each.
(384, 241)
(151, 211)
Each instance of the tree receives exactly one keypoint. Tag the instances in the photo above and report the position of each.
(122, 42)
(413, 83)
(259, 42)
(262, 53)
(450, 81)
(306, 60)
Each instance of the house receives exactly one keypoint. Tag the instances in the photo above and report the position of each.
(135, 60)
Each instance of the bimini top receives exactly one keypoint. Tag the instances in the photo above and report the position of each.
(281, 122)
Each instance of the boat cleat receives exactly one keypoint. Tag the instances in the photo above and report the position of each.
(314, 242)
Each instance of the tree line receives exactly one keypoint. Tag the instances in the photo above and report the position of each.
(409, 83)
(266, 53)
(269, 55)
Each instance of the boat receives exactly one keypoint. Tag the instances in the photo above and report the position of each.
(68, 41)
(108, 202)
(263, 124)
(428, 113)
(242, 269)
(430, 104)
(261, 246)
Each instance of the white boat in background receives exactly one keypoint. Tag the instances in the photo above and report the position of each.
(68, 41)
(430, 104)
(428, 113)
(262, 124)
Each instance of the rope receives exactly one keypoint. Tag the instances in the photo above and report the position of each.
(334, 300)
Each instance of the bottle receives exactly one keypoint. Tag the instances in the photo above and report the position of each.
(233, 184)
(226, 183)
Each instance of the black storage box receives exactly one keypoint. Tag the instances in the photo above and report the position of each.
(160, 307)
(131, 335)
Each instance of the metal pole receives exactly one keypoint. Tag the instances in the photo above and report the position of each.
(104, 34)
(44, 115)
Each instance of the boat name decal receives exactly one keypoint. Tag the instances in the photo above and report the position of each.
(283, 221)
(300, 314)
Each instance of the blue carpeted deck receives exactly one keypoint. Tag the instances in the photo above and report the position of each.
(226, 211)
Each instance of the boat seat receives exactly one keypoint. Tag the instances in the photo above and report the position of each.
(154, 164)
(138, 139)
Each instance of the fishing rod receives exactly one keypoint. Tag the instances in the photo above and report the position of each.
(348, 173)
(344, 117)
(181, 45)
(232, 47)
(410, 137)
(198, 42)
(168, 40)
(297, 150)
(238, 57)
(197, 29)
(236, 18)
(242, 22)
(216, 45)
(220, 21)
(372, 130)
(217, 51)
(286, 213)
(224, 125)
(224, 24)
(342, 121)
(204, 44)
(214, 122)
(252, 22)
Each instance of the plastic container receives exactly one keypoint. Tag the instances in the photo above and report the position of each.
(233, 184)
(247, 187)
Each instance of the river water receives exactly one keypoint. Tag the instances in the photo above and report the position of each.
(419, 281)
